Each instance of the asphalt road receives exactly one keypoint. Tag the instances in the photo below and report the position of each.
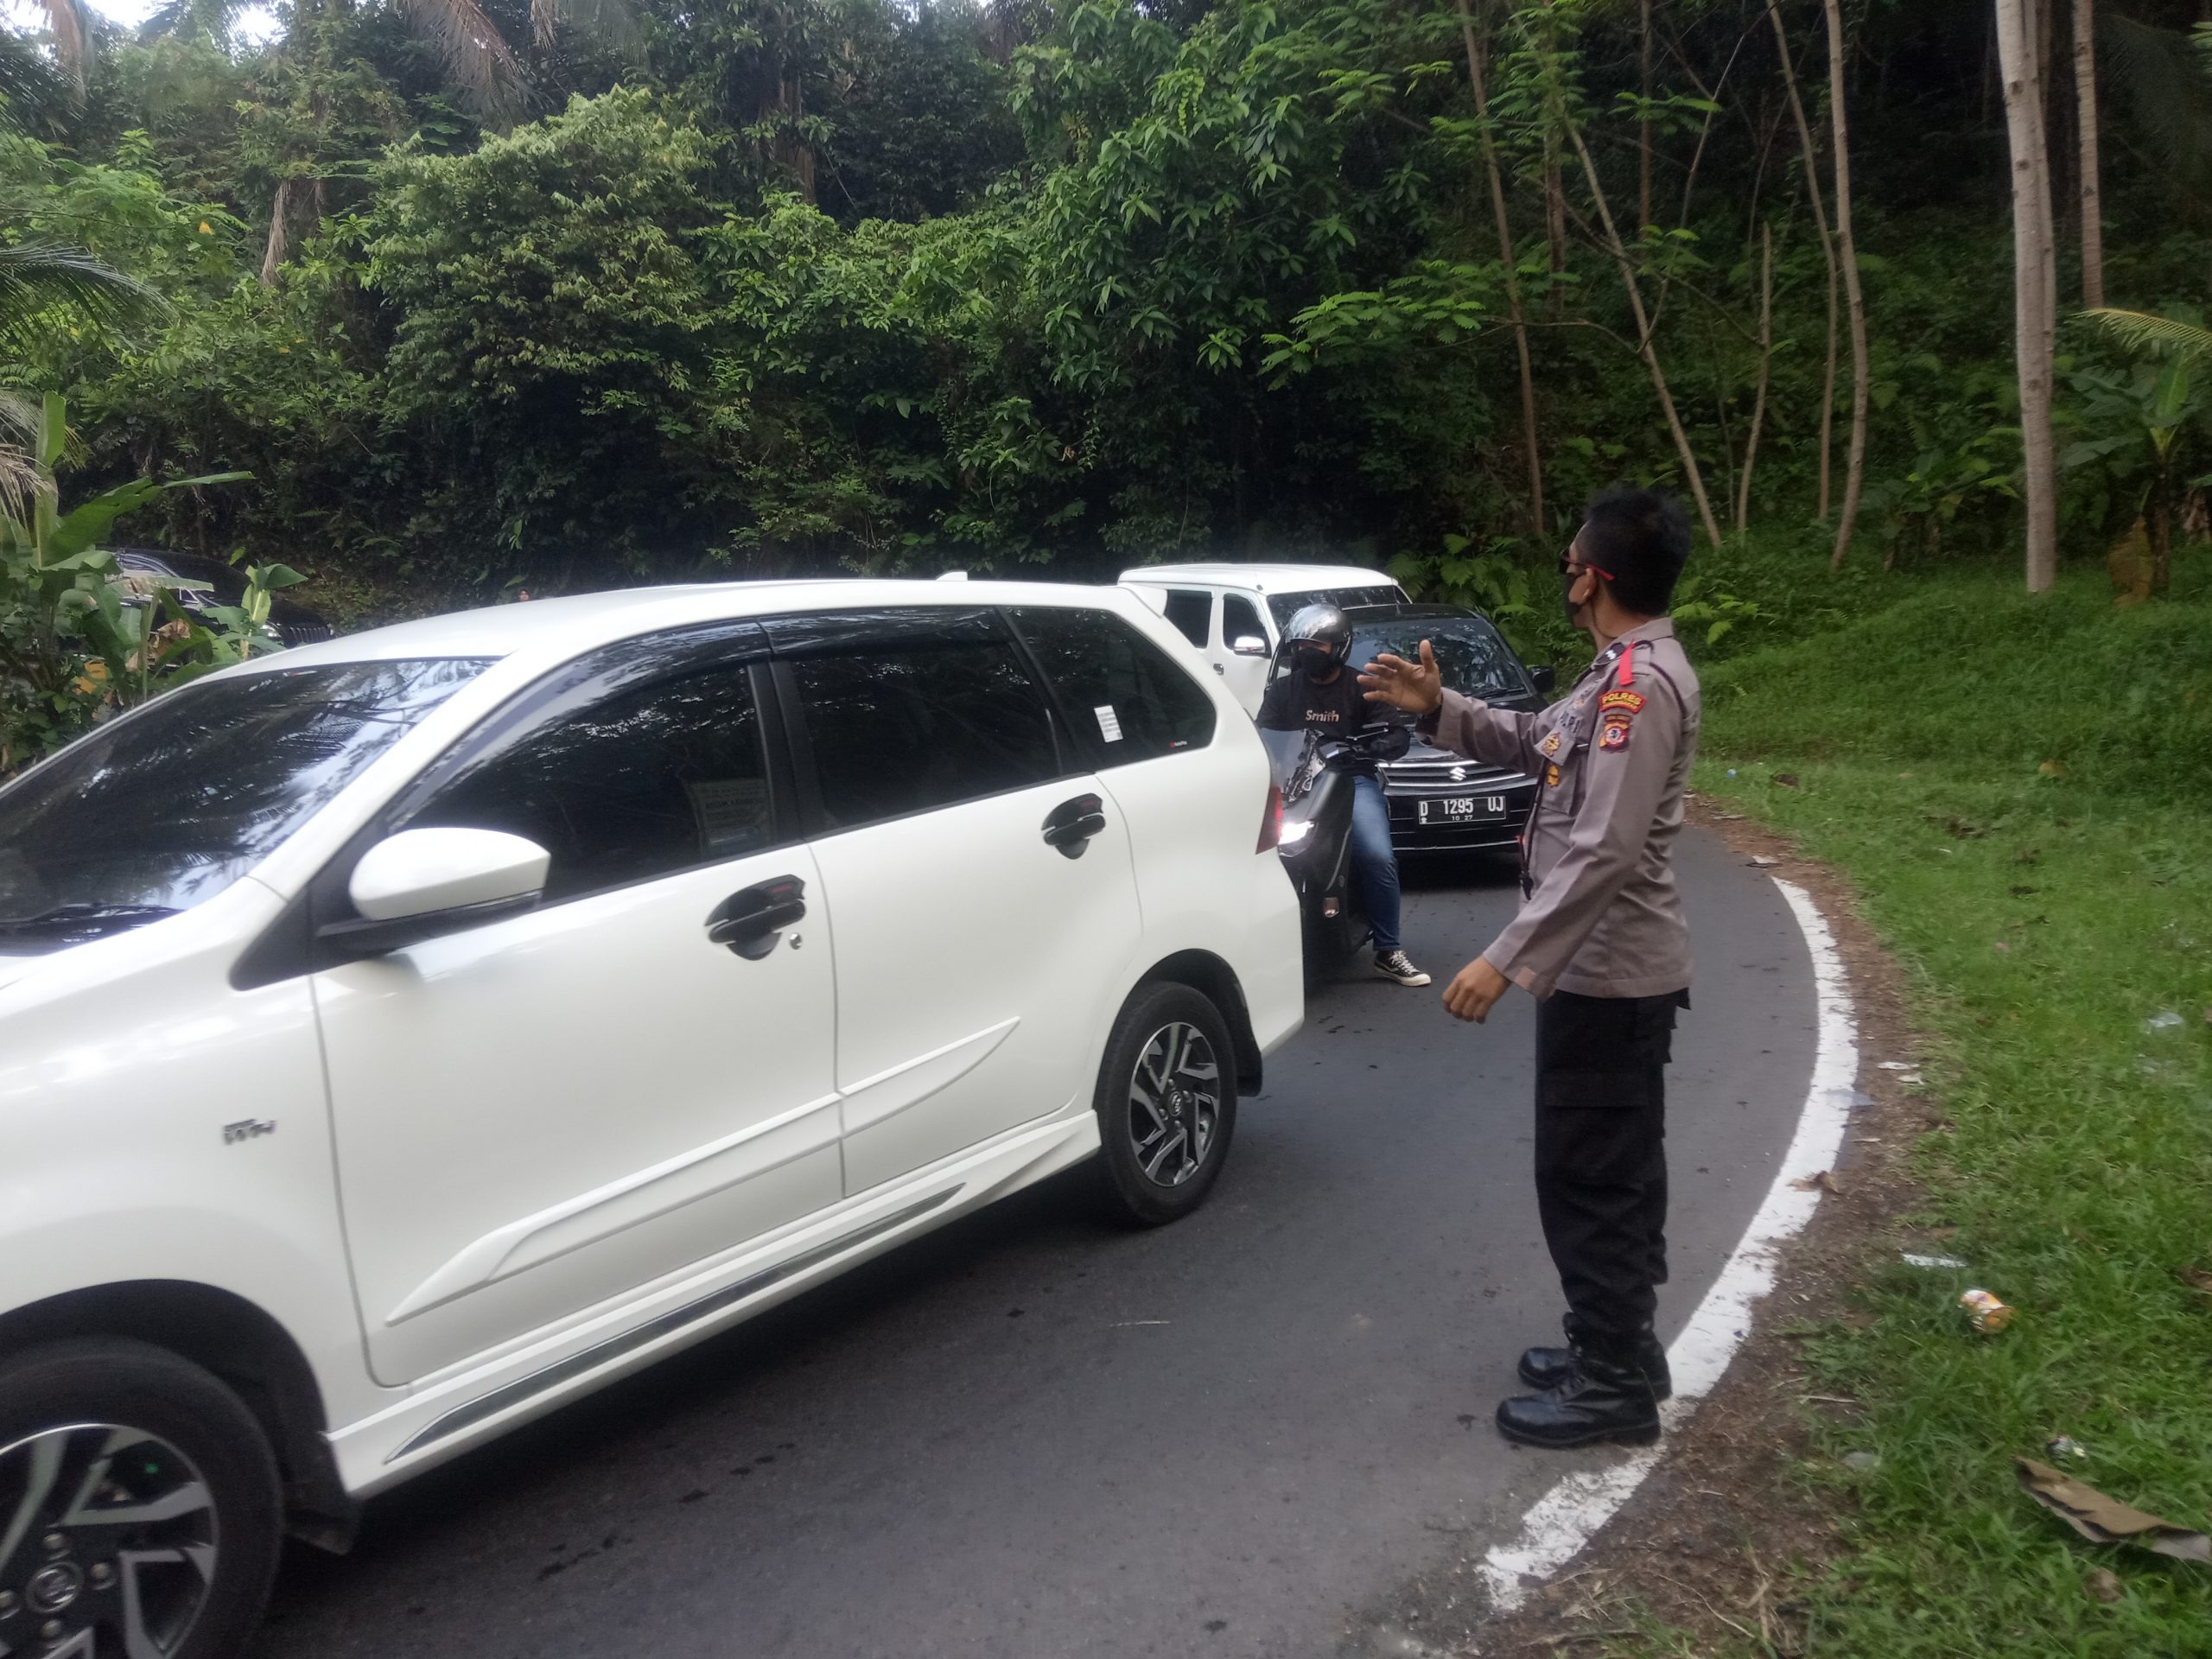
(1248, 1436)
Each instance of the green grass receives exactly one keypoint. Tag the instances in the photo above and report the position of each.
(2041, 919)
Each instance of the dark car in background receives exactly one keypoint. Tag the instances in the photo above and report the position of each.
(1439, 801)
(294, 623)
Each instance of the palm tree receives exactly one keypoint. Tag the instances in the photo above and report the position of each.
(479, 60)
(2147, 332)
(31, 88)
(33, 281)
(480, 63)
(65, 23)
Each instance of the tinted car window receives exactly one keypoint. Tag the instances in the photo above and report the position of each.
(1473, 658)
(162, 809)
(1286, 605)
(642, 782)
(1192, 612)
(904, 725)
(1107, 672)
(1240, 619)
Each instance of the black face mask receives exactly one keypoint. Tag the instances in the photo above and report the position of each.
(1566, 580)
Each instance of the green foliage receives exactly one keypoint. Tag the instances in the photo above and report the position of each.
(2037, 877)
(70, 636)
(553, 328)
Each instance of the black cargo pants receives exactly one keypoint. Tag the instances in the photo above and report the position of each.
(1601, 1153)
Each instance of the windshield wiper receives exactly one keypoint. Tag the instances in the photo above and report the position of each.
(64, 921)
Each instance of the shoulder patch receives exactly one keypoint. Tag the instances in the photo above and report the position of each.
(1617, 698)
(1615, 733)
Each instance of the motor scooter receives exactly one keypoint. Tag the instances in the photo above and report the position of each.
(1317, 774)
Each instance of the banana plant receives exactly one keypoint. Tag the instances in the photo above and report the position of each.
(2138, 422)
(73, 627)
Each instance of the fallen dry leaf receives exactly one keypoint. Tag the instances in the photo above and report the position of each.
(1787, 780)
(2052, 769)
(2198, 1279)
(2104, 1520)
(2104, 1586)
(1821, 1182)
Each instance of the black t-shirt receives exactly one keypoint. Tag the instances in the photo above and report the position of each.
(1294, 703)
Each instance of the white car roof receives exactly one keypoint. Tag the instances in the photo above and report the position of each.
(1261, 578)
(556, 628)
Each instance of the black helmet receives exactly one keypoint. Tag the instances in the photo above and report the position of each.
(1324, 625)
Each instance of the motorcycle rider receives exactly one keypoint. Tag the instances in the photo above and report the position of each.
(1319, 694)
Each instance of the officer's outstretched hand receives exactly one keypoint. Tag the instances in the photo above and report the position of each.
(1474, 991)
(1417, 688)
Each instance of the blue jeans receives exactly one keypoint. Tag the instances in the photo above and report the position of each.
(1374, 865)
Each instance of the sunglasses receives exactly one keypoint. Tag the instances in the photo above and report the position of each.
(1568, 567)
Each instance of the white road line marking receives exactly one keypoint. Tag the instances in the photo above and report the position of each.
(1564, 1520)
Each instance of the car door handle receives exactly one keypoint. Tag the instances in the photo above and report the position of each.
(1070, 825)
(750, 920)
(1221, 668)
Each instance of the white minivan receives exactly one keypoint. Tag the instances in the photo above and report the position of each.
(1234, 614)
(402, 1035)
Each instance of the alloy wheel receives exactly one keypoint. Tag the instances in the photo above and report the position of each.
(1174, 1104)
(108, 1539)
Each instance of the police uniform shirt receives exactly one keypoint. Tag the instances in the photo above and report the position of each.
(1601, 915)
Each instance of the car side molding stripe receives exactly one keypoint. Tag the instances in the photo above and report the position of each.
(552, 1376)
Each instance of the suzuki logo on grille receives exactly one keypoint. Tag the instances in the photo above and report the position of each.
(1459, 774)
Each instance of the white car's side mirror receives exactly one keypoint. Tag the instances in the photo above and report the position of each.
(419, 871)
(421, 883)
(1250, 645)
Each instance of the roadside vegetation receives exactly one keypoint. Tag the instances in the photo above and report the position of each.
(439, 302)
(2018, 789)
(504, 298)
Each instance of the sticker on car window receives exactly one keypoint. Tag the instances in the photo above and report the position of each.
(1109, 723)
(730, 813)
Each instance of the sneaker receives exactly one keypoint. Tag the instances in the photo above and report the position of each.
(1398, 966)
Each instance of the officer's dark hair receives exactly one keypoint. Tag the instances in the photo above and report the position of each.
(1642, 539)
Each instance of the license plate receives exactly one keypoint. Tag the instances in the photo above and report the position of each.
(1460, 809)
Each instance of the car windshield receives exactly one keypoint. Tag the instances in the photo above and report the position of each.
(1286, 605)
(162, 809)
(1473, 658)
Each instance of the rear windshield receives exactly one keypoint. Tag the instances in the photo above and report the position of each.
(1472, 657)
(162, 809)
(1286, 605)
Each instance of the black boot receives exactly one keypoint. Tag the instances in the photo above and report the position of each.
(1603, 1396)
(1547, 1368)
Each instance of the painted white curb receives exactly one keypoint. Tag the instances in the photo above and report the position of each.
(1563, 1520)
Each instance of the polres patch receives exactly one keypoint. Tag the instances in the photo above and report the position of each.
(1631, 701)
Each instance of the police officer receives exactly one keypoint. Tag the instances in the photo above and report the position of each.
(1600, 942)
(1321, 693)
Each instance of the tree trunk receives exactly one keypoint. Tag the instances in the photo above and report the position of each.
(1828, 245)
(1512, 272)
(1646, 347)
(1766, 358)
(1854, 478)
(2161, 538)
(1643, 130)
(2034, 280)
(289, 190)
(1556, 221)
(2085, 113)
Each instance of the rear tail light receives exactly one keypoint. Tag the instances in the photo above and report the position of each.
(1271, 821)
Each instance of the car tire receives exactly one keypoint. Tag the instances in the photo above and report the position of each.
(162, 1504)
(1167, 1105)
